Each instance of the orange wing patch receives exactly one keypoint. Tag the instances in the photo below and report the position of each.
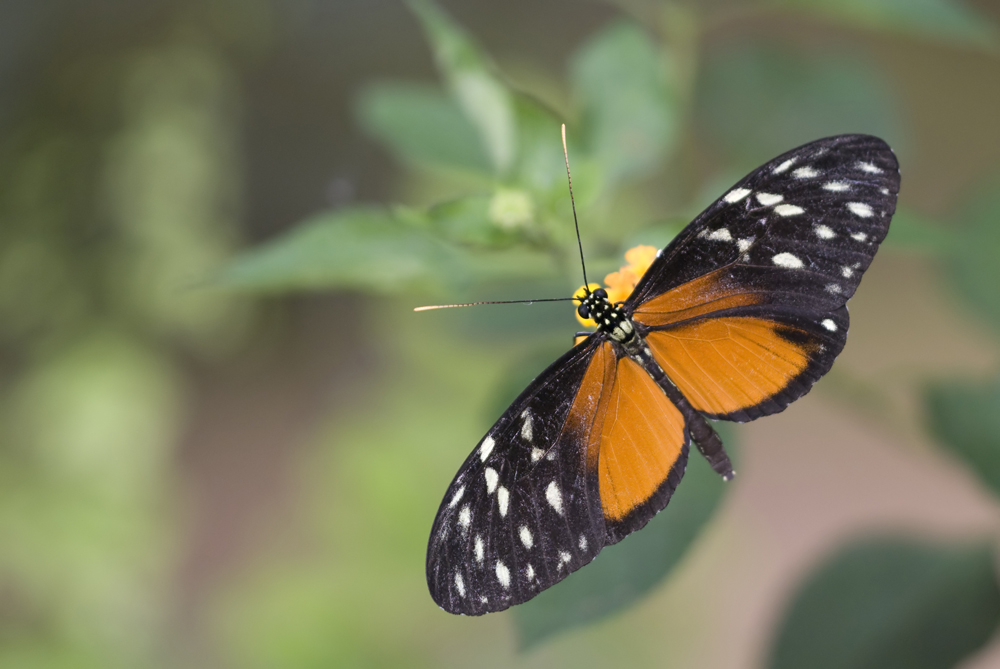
(591, 401)
(641, 438)
(723, 365)
(706, 294)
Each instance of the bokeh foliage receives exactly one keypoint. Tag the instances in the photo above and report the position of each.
(120, 206)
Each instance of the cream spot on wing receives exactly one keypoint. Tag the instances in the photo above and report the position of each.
(847, 272)
(503, 499)
(859, 236)
(583, 543)
(457, 496)
(486, 448)
(465, 517)
(806, 172)
(526, 427)
(860, 208)
(784, 166)
(536, 454)
(554, 497)
(460, 584)
(836, 186)
(824, 232)
(788, 210)
(721, 235)
(868, 167)
(829, 325)
(787, 260)
(478, 547)
(767, 199)
(736, 194)
(526, 537)
(491, 477)
(834, 288)
(503, 574)
(744, 244)
(530, 573)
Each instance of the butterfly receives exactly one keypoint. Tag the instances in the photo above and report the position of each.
(735, 319)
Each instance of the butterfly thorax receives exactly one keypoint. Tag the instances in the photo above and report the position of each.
(609, 318)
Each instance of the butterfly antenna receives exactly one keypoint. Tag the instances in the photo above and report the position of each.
(472, 304)
(569, 179)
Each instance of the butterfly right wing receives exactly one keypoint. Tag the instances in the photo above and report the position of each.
(524, 510)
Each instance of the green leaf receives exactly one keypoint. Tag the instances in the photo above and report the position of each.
(911, 232)
(973, 264)
(487, 221)
(626, 571)
(484, 99)
(363, 248)
(760, 102)
(965, 418)
(628, 98)
(423, 126)
(945, 20)
(892, 604)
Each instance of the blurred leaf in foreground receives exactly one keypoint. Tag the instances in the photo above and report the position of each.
(892, 604)
(966, 419)
(423, 126)
(365, 248)
(945, 20)
(628, 99)
(626, 571)
(486, 102)
(761, 102)
(973, 264)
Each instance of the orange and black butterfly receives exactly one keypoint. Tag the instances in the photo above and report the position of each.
(736, 318)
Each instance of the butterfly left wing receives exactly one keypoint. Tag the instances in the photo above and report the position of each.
(588, 453)
(745, 309)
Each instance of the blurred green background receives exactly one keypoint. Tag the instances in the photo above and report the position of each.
(224, 434)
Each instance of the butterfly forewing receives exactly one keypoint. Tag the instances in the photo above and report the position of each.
(524, 512)
(745, 309)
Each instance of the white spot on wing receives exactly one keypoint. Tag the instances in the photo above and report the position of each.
(860, 208)
(787, 260)
(736, 194)
(788, 210)
(465, 517)
(859, 236)
(526, 428)
(457, 496)
(834, 288)
(530, 573)
(744, 244)
(491, 477)
(721, 235)
(868, 167)
(503, 499)
(847, 272)
(824, 232)
(460, 584)
(564, 556)
(829, 325)
(784, 166)
(478, 547)
(836, 186)
(767, 199)
(503, 574)
(486, 448)
(583, 543)
(884, 191)
(554, 497)
(536, 454)
(806, 172)
(526, 537)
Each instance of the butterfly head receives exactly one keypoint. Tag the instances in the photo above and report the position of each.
(609, 318)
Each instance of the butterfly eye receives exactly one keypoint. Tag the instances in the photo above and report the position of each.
(584, 311)
(601, 293)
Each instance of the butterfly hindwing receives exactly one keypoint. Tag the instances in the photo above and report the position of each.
(745, 310)
(523, 512)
